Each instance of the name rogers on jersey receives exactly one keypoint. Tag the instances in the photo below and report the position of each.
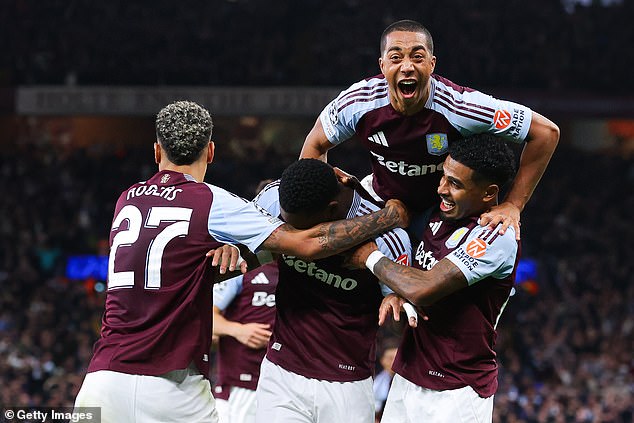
(407, 169)
(312, 270)
(168, 193)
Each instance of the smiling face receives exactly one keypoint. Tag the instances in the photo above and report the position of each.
(460, 194)
(407, 63)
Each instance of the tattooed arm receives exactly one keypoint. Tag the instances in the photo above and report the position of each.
(420, 287)
(330, 238)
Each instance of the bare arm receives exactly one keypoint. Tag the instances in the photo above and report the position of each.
(419, 287)
(335, 237)
(253, 335)
(542, 140)
(316, 144)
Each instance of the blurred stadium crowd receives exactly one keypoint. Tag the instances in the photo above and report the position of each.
(566, 338)
(565, 46)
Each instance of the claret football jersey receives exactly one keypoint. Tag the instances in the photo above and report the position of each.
(326, 321)
(248, 298)
(454, 348)
(407, 152)
(158, 303)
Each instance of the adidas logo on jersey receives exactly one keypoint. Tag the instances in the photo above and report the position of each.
(379, 138)
(434, 226)
(260, 278)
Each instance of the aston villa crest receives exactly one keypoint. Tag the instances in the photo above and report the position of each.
(437, 144)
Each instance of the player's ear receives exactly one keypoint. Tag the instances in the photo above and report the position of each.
(157, 152)
(381, 65)
(433, 63)
(210, 152)
(491, 193)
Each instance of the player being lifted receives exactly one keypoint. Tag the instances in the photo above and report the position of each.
(407, 117)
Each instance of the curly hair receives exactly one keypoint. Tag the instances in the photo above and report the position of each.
(307, 186)
(407, 25)
(490, 158)
(183, 129)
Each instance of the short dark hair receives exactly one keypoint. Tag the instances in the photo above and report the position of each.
(407, 26)
(183, 129)
(490, 158)
(307, 186)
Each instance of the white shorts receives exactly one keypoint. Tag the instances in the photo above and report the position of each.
(409, 403)
(283, 396)
(240, 408)
(177, 396)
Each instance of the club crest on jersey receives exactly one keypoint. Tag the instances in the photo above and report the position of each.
(164, 179)
(437, 144)
(456, 237)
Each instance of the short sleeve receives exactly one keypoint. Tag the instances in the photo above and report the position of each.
(226, 291)
(268, 200)
(235, 220)
(396, 246)
(486, 253)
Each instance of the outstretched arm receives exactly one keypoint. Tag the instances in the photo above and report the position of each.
(543, 136)
(335, 237)
(316, 144)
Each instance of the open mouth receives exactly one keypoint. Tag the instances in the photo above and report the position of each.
(446, 205)
(407, 88)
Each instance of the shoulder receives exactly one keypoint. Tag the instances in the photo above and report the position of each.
(394, 243)
(269, 199)
(364, 95)
(452, 99)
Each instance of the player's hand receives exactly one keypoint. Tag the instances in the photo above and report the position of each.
(403, 212)
(353, 182)
(391, 303)
(355, 258)
(396, 304)
(254, 335)
(347, 179)
(227, 256)
(508, 214)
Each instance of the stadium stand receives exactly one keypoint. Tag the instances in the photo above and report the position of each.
(565, 343)
(551, 46)
(566, 338)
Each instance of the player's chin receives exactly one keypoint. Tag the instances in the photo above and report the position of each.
(449, 215)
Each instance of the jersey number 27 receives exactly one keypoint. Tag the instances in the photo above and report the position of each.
(181, 218)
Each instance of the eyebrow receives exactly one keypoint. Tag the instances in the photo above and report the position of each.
(415, 48)
(457, 181)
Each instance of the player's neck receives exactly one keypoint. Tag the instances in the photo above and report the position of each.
(195, 170)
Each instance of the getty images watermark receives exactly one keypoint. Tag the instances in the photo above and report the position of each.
(51, 414)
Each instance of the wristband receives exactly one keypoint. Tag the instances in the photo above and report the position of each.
(240, 259)
(410, 311)
(373, 259)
